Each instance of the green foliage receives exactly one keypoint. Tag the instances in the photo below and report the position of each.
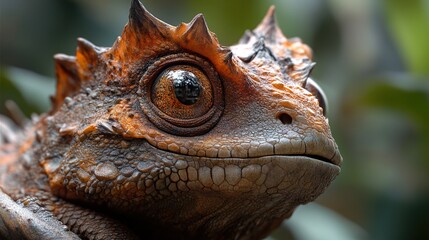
(409, 23)
(409, 97)
(29, 90)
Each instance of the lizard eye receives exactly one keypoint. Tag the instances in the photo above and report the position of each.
(182, 95)
(182, 91)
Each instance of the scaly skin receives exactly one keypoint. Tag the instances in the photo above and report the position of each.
(121, 157)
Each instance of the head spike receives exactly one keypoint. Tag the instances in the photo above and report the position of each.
(143, 21)
(87, 48)
(198, 30)
(268, 28)
(269, 20)
(142, 31)
(87, 53)
(68, 81)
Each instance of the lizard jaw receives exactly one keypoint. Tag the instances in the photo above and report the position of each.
(270, 187)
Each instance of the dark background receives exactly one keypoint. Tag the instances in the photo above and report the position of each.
(372, 61)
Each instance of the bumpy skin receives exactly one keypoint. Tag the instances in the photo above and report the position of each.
(120, 157)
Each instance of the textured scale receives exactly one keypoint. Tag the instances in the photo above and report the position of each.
(119, 156)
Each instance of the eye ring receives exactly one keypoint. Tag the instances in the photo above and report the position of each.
(183, 127)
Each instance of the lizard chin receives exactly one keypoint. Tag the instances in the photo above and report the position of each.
(268, 190)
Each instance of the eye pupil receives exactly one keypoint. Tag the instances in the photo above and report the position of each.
(187, 87)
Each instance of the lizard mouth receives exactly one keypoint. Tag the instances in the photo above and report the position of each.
(334, 160)
(329, 156)
(334, 163)
(316, 150)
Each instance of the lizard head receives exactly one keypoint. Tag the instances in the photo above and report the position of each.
(170, 127)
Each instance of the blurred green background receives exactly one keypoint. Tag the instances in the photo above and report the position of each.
(372, 61)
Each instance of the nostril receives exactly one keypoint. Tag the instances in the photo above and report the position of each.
(284, 118)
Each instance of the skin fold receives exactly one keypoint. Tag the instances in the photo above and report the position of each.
(168, 134)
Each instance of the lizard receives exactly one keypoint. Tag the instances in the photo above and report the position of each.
(168, 134)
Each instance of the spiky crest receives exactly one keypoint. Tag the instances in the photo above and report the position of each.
(146, 37)
(268, 29)
(144, 23)
(142, 32)
(269, 37)
(71, 71)
(197, 30)
(87, 56)
(68, 81)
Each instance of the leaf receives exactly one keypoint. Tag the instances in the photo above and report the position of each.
(29, 90)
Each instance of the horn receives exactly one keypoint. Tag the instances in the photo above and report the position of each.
(197, 30)
(143, 21)
(268, 28)
(68, 81)
(87, 51)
